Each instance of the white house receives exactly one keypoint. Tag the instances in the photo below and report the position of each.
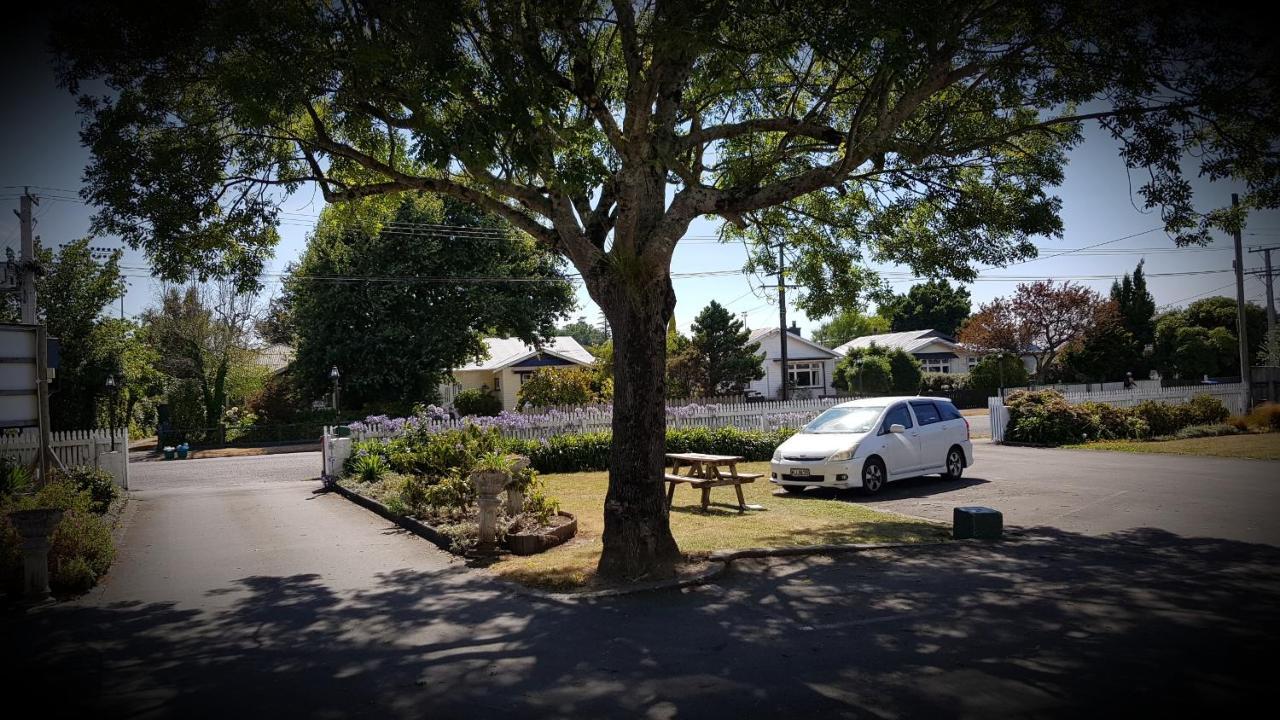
(937, 353)
(809, 365)
(509, 362)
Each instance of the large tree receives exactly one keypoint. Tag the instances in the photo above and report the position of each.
(719, 357)
(901, 132)
(395, 337)
(848, 325)
(1041, 319)
(1201, 339)
(931, 305)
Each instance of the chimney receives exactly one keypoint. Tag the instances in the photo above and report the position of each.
(794, 329)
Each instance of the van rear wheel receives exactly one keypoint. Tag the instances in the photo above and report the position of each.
(955, 464)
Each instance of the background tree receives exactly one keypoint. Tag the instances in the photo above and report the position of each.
(849, 325)
(553, 386)
(1137, 312)
(1105, 351)
(395, 341)
(891, 132)
(198, 334)
(872, 376)
(1201, 339)
(931, 305)
(1041, 319)
(585, 333)
(720, 357)
(901, 371)
(991, 370)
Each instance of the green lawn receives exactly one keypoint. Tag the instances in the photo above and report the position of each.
(785, 521)
(1257, 446)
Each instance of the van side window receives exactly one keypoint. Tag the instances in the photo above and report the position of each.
(949, 411)
(926, 412)
(897, 415)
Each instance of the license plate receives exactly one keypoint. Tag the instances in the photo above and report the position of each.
(799, 472)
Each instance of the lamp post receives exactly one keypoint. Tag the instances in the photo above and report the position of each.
(1000, 368)
(334, 375)
(111, 409)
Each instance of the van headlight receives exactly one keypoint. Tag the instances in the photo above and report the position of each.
(777, 455)
(843, 455)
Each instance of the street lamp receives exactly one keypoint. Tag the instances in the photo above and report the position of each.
(1000, 366)
(334, 375)
(113, 391)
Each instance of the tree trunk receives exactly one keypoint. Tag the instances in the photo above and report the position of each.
(637, 532)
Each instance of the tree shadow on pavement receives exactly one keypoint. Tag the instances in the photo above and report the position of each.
(1048, 623)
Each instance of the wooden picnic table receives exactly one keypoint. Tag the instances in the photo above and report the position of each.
(703, 471)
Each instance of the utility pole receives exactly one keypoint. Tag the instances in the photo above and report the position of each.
(1268, 274)
(1242, 331)
(29, 314)
(782, 315)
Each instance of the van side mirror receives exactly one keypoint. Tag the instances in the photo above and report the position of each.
(897, 428)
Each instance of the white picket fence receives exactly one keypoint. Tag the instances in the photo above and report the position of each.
(90, 448)
(1090, 388)
(1234, 395)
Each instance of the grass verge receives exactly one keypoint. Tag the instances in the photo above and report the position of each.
(1256, 446)
(785, 522)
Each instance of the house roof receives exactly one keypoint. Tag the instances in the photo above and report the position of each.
(504, 352)
(908, 341)
(761, 333)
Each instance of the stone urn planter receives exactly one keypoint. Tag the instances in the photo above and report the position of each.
(515, 495)
(36, 528)
(489, 483)
(521, 543)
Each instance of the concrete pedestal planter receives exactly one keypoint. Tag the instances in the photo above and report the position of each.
(36, 529)
(534, 543)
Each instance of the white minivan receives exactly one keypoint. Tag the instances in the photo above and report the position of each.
(869, 442)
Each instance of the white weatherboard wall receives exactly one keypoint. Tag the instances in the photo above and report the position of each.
(1233, 395)
(797, 351)
(91, 448)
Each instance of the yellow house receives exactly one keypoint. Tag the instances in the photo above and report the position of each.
(509, 362)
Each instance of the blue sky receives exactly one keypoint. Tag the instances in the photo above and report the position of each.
(39, 147)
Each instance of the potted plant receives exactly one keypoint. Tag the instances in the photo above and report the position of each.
(492, 472)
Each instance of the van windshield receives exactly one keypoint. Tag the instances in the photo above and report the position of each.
(844, 420)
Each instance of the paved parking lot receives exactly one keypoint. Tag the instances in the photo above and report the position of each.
(1094, 493)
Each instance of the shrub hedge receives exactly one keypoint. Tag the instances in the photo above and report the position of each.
(1044, 417)
(81, 551)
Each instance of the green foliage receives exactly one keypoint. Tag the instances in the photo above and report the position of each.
(1202, 431)
(493, 461)
(720, 358)
(987, 374)
(552, 386)
(97, 483)
(1201, 339)
(848, 325)
(14, 476)
(369, 468)
(477, 401)
(587, 335)
(417, 331)
(1044, 417)
(932, 305)
(82, 548)
(878, 370)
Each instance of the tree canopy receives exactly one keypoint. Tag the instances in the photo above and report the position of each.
(1041, 319)
(720, 357)
(1201, 339)
(395, 336)
(848, 325)
(858, 130)
(931, 305)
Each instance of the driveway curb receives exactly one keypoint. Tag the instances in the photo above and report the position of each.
(426, 532)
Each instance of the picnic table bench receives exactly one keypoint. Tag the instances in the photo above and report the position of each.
(704, 473)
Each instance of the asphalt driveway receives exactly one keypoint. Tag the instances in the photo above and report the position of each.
(241, 590)
(1092, 492)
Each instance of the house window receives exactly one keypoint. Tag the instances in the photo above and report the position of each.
(497, 382)
(937, 365)
(973, 361)
(805, 374)
(524, 377)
